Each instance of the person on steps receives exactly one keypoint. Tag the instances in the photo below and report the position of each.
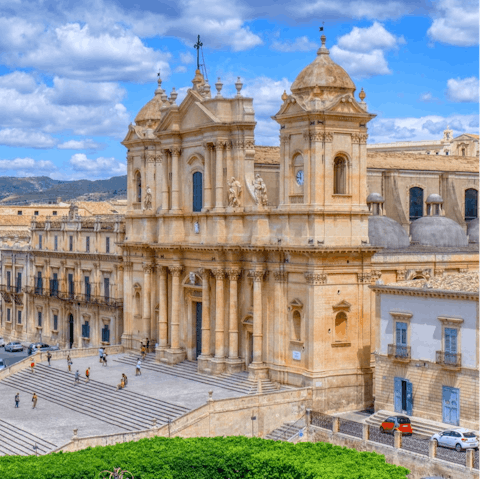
(147, 345)
(34, 400)
(49, 357)
(69, 363)
(87, 375)
(100, 352)
(32, 366)
(138, 370)
(17, 399)
(125, 380)
(77, 377)
(104, 359)
(121, 385)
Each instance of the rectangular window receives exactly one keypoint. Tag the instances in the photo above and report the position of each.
(54, 285)
(54, 213)
(19, 282)
(55, 243)
(39, 285)
(107, 244)
(450, 345)
(105, 334)
(70, 243)
(106, 289)
(9, 280)
(86, 330)
(35, 213)
(19, 213)
(71, 286)
(87, 288)
(55, 322)
(19, 320)
(8, 315)
(401, 349)
(40, 319)
(40, 241)
(87, 244)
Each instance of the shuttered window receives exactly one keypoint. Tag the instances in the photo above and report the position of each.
(197, 191)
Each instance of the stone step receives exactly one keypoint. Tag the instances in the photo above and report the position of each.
(125, 409)
(16, 441)
(285, 432)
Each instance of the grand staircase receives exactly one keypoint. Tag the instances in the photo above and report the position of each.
(128, 410)
(17, 442)
(287, 431)
(237, 382)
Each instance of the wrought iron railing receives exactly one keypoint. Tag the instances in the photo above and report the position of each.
(11, 294)
(399, 351)
(453, 360)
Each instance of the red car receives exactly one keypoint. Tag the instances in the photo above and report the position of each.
(397, 423)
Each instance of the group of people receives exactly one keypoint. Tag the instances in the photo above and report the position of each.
(34, 400)
(102, 356)
(144, 348)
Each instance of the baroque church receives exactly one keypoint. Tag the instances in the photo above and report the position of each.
(253, 258)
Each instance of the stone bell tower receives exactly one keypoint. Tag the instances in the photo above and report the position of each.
(323, 154)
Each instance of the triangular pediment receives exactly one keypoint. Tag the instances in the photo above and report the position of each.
(295, 304)
(342, 306)
(291, 108)
(134, 133)
(346, 104)
(465, 137)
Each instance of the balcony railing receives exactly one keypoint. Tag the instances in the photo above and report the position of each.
(400, 352)
(74, 297)
(11, 294)
(450, 360)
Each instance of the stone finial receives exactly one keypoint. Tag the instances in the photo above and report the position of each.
(173, 96)
(362, 95)
(154, 422)
(219, 86)
(238, 86)
(159, 89)
(198, 80)
(75, 434)
(323, 50)
(284, 95)
(206, 91)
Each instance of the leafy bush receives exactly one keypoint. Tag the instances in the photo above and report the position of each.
(207, 458)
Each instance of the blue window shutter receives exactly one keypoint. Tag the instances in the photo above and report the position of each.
(451, 340)
(197, 191)
(409, 398)
(401, 333)
(397, 385)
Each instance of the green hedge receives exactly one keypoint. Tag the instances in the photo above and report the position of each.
(207, 458)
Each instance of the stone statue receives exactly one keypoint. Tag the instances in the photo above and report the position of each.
(260, 191)
(148, 199)
(234, 192)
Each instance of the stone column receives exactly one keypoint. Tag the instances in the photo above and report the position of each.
(281, 312)
(234, 364)
(164, 159)
(175, 179)
(257, 367)
(162, 311)
(175, 354)
(218, 363)
(230, 172)
(127, 302)
(219, 150)
(130, 179)
(207, 179)
(149, 179)
(147, 293)
(204, 358)
(287, 171)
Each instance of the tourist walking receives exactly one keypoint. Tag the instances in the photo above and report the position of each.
(104, 357)
(87, 375)
(34, 400)
(77, 377)
(147, 346)
(125, 380)
(138, 370)
(69, 363)
(100, 352)
(143, 351)
(49, 356)
(32, 366)
(17, 399)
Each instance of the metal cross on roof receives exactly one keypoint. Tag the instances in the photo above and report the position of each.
(197, 47)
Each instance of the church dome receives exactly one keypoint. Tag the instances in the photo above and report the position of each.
(152, 112)
(472, 231)
(324, 73)
(438, 231)
(385, 232)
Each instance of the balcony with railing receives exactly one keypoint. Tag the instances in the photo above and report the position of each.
(449, 360)
(11, 294)
(399, 352)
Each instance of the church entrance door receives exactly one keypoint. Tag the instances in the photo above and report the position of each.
(250, 348)
(70, 330)
(198, 327)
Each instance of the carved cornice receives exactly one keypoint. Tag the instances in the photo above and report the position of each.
(228, 145)
(77, 256)
(364, 277)
(175, 271)
(250, 144)
(218, 273)
(151, 158)
(439, 272)
(175, 151)
(147, 268)
(401, 274)
(284, 139)
(363, 138)
(257, 275)
(233, 274)
(328, 137)
(376, 275)
(129, 159)
(355, 138)
(401, 291)
(315, 279)
(280, 276)
(220, 144)
(161, 269)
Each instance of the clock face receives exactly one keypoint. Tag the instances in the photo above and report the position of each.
(300, 177)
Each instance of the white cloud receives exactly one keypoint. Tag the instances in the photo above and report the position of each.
(300, 44)
(85, 144)
(362, 51)
(456, 22)
(25, 139)
(187, 58)
(27, 166)
(429, 98)
(99, 168)
(19, 81)
(180, 69)
(463, 90)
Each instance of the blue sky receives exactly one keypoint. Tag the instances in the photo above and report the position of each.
(73, 75)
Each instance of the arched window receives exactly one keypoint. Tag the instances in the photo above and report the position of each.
(471, 204)
(197, 191)
(138, 310)
(340, 176)
(463, 151)
(341, 327)
(296, 326)
(138, 187)
(416, 203)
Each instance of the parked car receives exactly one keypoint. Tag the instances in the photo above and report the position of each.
(13, 346)
(2, 364)
(41, 347)
(458, 439)
(397, 423)
(2, 343)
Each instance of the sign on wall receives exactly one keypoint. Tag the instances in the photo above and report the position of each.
(297, 355)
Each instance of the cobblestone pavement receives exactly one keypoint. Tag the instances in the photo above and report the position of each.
(413, 443)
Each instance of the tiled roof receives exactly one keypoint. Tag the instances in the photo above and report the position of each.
(102, 207)
(465, 282)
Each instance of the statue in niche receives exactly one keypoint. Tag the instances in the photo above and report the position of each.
(260, 191)
(147, 203)
(234, 192)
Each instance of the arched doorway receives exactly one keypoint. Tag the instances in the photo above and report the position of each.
(70, 331)
(248, 340)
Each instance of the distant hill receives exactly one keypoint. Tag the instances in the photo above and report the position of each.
(39, 189)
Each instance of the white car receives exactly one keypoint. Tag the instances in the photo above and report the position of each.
(2, 343)
(2, 364)
(13, 346)
(458, 439)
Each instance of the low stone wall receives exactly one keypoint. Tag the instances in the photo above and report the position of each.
(60, 354)
(420, 466)
(225, 417)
